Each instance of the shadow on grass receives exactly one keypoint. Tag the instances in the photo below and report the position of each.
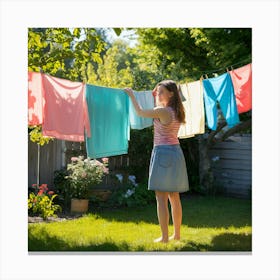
(198, 211)
(227, 242)
(46, 243)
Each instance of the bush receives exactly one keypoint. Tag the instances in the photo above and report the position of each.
(139, 152)
(41, 202)
(61, 186)
(85, 173)
(131, 195)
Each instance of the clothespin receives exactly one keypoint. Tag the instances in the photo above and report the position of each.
(227, 69)
(231, 67)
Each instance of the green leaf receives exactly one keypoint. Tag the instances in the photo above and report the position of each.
(77, 32)
(118, 31)
(96, 57)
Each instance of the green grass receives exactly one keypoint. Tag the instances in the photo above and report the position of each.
(209, 224)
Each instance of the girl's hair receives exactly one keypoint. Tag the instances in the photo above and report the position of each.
(175, 101)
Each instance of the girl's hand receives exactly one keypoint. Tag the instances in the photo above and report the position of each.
(129, 91)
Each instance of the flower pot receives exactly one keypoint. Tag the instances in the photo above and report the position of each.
(102, 195)
(79, 205)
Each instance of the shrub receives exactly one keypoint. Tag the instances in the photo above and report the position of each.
(132, 194)
(83, 174)
(41, 202)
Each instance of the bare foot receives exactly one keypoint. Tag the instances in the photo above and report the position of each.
(173, 237)
(160, 239)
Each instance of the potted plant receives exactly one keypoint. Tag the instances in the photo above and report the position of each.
(83, 174)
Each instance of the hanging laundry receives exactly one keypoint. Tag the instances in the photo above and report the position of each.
(145, 100)
(242, 84)
(185, 130)
(194, 110)
(65, 112)
(36, 101)
(220, 89)
(109, 120)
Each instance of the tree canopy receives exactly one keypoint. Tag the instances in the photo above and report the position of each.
(181, 54)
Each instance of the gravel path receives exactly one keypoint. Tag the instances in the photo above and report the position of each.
(60, 218)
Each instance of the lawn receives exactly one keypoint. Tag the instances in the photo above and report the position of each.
(209, 224)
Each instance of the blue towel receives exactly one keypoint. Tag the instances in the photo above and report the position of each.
(220, 89)
(109, 121)
(145, 100)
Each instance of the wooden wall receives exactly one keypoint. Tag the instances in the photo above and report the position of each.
(52, 157)
(231, 162)
(55, 156)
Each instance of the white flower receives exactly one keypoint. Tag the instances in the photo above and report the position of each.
(132, 179)
(120, 177)
(216, 158)
(129, 193)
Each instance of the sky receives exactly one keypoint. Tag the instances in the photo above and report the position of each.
(127, 35)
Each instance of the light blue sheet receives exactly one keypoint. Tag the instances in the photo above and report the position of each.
(220, 89)
(109, 121)
(146, 101)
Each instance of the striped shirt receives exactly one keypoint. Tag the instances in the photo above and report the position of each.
(166, 134)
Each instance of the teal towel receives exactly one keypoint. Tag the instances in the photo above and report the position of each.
(108, 110)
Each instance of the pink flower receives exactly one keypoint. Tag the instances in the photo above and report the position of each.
(105, 160)
(106, 170)
(50, 192)
(74, 159)
(43, 188)
(40, 192)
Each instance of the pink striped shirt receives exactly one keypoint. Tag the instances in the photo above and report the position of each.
(166, 134)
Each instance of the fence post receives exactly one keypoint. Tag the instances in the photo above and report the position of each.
(38, 164)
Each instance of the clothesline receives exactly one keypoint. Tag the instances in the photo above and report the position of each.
(225, 68)
(62, 105)
(203, 73)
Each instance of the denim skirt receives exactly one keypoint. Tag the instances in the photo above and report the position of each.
(168, 171)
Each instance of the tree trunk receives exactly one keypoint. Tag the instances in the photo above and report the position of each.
(205, 173)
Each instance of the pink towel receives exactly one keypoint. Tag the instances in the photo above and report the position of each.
(65, 112)
(35, 99)
(242, 84)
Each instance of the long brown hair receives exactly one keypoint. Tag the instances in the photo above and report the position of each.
(175, 101)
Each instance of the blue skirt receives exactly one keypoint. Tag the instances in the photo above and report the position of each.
(168, 171)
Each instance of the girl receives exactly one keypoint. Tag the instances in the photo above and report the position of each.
(167, 174)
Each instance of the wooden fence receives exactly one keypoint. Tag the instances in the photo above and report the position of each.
(231, 162)
(55, 156)
(52, 157)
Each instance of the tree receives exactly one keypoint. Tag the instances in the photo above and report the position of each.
(198, 50)
(114, 71)
(64, 52)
